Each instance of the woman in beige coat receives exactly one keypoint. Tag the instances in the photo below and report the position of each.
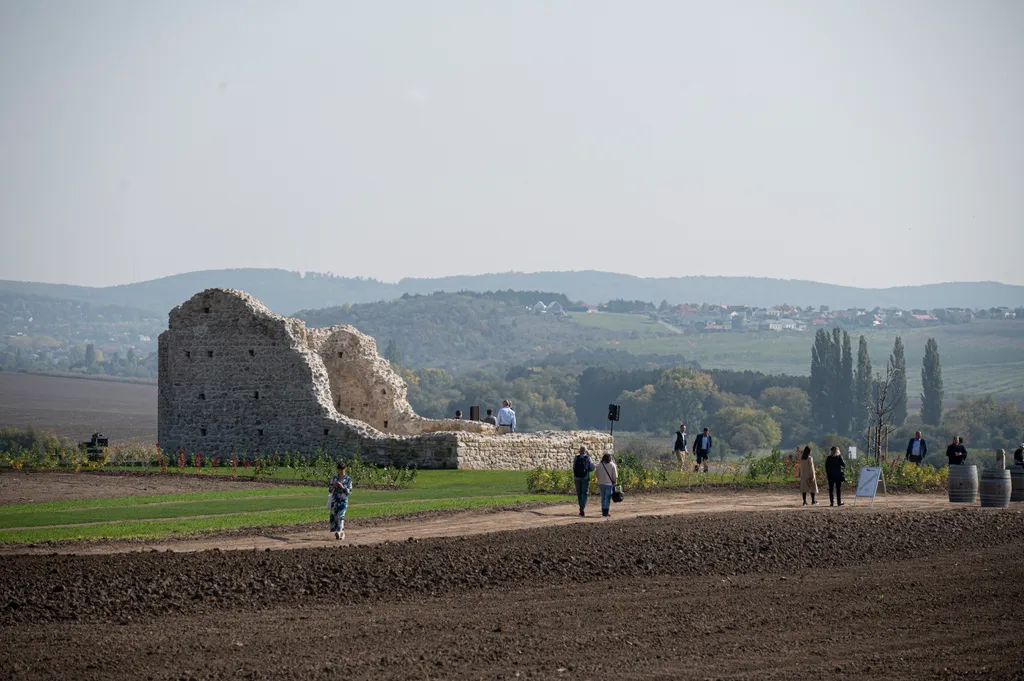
(808, 483)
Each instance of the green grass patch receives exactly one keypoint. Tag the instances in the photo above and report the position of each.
(102, 502)
(154, 529)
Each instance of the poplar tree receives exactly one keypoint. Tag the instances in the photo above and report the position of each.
(821, 384)
(899, 364)
(862, 389)
(845, 405)
(931, 382)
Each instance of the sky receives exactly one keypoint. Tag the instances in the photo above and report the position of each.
(858, 142)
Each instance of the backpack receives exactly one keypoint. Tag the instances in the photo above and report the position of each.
(580, 469)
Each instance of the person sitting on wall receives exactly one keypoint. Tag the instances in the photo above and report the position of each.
(458, 414)
(1018, 455)
(506, 417)
(490, 418)
(917, 448)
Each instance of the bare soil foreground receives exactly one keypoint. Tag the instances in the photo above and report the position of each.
(739, 595)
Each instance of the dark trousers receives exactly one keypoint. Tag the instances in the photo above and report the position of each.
(582, 491)
(836, 485)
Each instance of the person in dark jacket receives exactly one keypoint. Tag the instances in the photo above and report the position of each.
(679, 446)
(582, 467)
(956, 452)
(834, 471)
(917, 448)
(702, 448)
(1018, 455)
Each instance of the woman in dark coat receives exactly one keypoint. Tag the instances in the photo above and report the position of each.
(836, 474)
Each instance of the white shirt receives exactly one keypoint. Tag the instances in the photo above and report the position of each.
(607, 473)
(507, 417)
(915, 448)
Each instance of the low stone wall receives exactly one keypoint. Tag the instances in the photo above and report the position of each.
(525, 451)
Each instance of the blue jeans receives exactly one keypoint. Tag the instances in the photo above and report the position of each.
(582, 491)
(606, 496)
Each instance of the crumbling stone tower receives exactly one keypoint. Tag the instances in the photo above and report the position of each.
(234, 374)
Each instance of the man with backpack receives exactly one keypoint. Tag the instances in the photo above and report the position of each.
(679, 446)
(582, 467)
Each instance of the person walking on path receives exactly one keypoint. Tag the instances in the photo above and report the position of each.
(808, 483)
(956, 452)
(701, 448)
(340, 487)
(506, 417)
(607, 478)
(679, 446)
(836, 474)
(917, 448)
(582, 466)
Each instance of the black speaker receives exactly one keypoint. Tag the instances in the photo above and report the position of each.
(474, 413)
(613, 412)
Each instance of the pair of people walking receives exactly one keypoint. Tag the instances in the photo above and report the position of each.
(835, 471)
(607, 479)
(701, 448)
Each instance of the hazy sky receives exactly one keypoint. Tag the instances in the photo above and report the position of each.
(862, 142)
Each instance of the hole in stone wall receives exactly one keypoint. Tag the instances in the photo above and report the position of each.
(385, 424)
(206, 310)
(202, 396)
(327, 431)
(340, 354)
(337, 403)
(252, 353)
(202, 431)
(383, 392)
(188, 354)
(259, 432)
(209, 353)
(256, 395)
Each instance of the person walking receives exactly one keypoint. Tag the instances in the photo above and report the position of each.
(582, 466)
(490, 418)
(679, 446)
(340, 487)
(1018, 455)
(917, 448)
(956, 452)
(835, 471)
(607, 478)
(702, 448)
(808, 483)
(506, 417)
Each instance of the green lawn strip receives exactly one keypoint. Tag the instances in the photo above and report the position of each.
(185, 509)
(73, 504)
(152, 529)
(479, 482)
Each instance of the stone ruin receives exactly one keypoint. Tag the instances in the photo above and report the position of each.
(234, 374)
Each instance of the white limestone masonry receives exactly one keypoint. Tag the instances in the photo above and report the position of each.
(234, 374)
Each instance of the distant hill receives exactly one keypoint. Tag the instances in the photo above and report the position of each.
(452, 330)
(285, 292)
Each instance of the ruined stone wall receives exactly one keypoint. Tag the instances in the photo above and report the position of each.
(234, 374)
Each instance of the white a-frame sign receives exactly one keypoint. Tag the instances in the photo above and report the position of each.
(867, 484)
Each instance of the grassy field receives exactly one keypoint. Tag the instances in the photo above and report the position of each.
(150, 517)
(979, 358)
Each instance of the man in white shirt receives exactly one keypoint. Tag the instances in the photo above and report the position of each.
(506, 417)
(917, 448)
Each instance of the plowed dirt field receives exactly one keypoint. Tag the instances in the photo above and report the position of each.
(929, 594)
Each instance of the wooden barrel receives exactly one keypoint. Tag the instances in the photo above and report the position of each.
(1017, 483)
(963, 484)
(995, 489)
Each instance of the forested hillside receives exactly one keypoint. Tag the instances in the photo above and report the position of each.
(459, 330)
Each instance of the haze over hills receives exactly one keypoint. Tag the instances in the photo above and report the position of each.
(287, 292)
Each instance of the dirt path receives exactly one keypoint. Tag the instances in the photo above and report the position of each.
(483, 522)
